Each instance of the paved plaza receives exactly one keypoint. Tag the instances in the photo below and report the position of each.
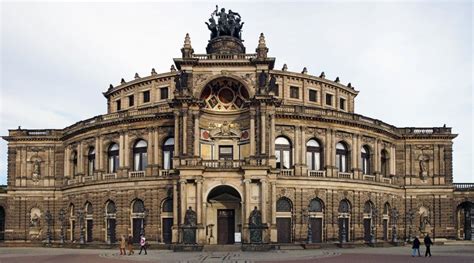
(448, 253)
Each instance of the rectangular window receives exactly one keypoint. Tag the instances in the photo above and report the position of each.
(118, 105)
(164, 93)
(131, 100)
(342, 104)
(277, 89)
(226, 153)
(294, 92)
(146, 96)
(329, 99)
(313, 95)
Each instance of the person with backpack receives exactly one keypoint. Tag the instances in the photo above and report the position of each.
(416, 247)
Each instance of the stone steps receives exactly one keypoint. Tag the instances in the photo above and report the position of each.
(222, 248)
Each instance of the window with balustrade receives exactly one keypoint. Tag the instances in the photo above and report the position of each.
(168, 150)
(283, 153)
(91, 161)
(140, 155)
(384, 164)
(314, 157)
(74, 163)
(365, 159)
(342, 157)
(113, 158)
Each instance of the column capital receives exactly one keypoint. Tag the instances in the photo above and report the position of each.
(182, 181)
(246, 181)
(263, 181)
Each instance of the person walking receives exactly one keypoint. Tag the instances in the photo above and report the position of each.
(428, 244)
(143, 244)
(416, 247)
(123, 244)
(130, 245)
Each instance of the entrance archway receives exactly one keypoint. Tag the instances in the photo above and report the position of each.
(465, 220)
(224, 213)
(2, 224)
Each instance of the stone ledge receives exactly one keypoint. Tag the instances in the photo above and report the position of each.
(187, 248)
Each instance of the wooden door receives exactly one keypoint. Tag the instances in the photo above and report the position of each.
(367, 236)
(166, 230)
(2, 224)
(284, 230)
(112, 225)
(72, 229)
(90, 226)
(225, 226)
(467, 224)
(317, 230)
(137, 228)
(344, 224)
(385, 229)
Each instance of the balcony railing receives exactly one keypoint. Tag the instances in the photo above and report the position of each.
(369, 177)
(464, 186)
(224, 56)
(165, 173)
(109, 176)
(286, 172)
(316, 173)
(386, 180)
(136, 174)
(344, 175)
(225, 164)
(72, 181)
(87, 179)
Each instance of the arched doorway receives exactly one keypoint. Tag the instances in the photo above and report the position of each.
(284, 209)
(344, 220)
(2, 224)
(224, 215)
(138, 219)
(167, 220)
(316, 215)
(465, 220)
(110, 221)
(89, 222)
(368, 210)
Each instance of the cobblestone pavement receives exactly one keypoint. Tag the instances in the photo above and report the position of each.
(441, 254)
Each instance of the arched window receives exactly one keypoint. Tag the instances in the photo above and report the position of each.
(384, 162)
(113, 157)
(74, 163)
(342, 157)
(344, 206)
(110, 208)
(284, 205)
(386, 209)
(316, 205)
(368, 207)
(138, 206)
(283, 153)
(167, 206)
(91, 161)
(365, 159)
(168, 150)
(140, 155)
(313, 155)
(88, 209)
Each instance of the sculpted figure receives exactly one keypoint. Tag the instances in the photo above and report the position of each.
(262, 79)
(213, 27)
(190, 217)
(36, 167)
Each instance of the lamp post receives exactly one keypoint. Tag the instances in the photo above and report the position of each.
(410, 216)
(373, 234)
(80, 214)
(49, 220)
(394, 227)
(62, 219)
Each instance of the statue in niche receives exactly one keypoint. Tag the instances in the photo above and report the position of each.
(255, 226)
(35, 218)
(262, 79)
(273, 86)
(36, 171)
(425, 223)
(423, 162)
(190, 218)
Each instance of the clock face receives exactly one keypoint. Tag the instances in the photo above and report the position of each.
(225, 95)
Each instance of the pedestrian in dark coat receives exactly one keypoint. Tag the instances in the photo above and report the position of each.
(428, 244)
(416, 247)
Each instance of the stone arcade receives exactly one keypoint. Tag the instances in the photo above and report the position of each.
(224, 148)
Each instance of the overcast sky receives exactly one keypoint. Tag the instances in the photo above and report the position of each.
(411, 61)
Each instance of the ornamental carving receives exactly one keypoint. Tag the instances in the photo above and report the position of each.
(224, 94)
(225, 129)
(343, 135)
(315, 131)
(367, 139)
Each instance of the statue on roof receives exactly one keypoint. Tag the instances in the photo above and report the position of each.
(228, 24)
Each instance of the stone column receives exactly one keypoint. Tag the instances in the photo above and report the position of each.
(393, 159)
(156, 146)
(198, 201)
(121, 149)
(252, 132)
(296, 146)
(150, 153)
(197, 133)
(80, 159)
(100, 154)
(355, 152)
(67, 162)
(263, 183)
(185, 139)
(327, 153)
(263, 129)
(273, 230)
(246, 211)
(376, 157)
(126, 153)
(176, 133)
(182, 193)
(175, 237)
(272, 133)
